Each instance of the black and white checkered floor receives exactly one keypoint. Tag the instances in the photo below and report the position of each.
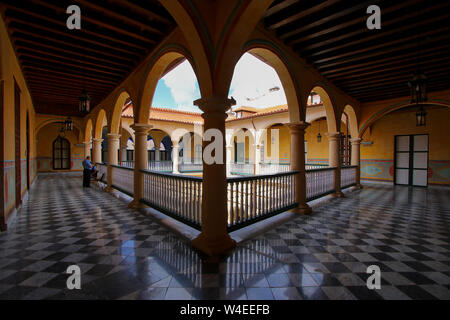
(125, 255)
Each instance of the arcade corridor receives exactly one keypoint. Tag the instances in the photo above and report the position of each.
(126, 255)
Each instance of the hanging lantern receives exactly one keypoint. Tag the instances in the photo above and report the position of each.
(421, 120)
(68, 124)
(85, 101)
(418, 88)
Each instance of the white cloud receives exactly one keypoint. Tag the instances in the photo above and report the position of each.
(252, 81)
(182, 83)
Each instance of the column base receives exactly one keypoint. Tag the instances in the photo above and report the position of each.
(135, 204)
(214, 247)
(304, 210)
(338, 195)
(108, 189)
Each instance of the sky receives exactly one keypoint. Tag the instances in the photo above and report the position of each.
(250, 86)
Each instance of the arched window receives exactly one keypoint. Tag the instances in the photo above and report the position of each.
(61, 154)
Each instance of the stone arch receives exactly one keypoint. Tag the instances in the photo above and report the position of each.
(121, 97)
(100, 121)
(155, 137)
(350, 111)
(196, 41)
(329, 105)
(394, 107)
(244, 17)
(88, 130)
(153, 73)
(49, 121)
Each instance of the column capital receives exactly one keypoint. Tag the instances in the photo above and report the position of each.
(113, 136)
(97, 140)
(215, 104)
(333, 135)
(141, 128)
(87, 142)
(355, 141)
(298, 127)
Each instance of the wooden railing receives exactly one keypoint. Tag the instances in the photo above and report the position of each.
(123, 179)
(102, 171)
(190, 167)
(348, 176)
(319, 182)
(175, 195)
(242, 169)
(251, 199)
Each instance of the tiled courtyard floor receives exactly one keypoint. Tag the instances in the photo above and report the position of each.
(125, 255)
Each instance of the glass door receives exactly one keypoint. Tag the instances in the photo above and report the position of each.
(411, 160)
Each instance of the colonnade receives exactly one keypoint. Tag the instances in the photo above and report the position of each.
(214, 238)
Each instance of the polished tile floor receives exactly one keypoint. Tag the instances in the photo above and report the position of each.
(125, 255)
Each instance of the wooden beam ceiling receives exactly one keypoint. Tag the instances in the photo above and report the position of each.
(367, 64)
(115, 36)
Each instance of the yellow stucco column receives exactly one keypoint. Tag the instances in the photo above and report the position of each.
(356, 161)
(113, 149)
(257, 157)
(175, 156)
(334, 139)
(140, 161)
(87, 148)
(297, 130)
(97, 150)
(214, 239)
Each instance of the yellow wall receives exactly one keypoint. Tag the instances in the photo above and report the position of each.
(377, 159)
(45, 139)
(284, 137)
(10, 72)
(317, 152)
(384, 130)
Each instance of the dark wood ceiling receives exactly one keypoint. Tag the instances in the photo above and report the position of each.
(115, 36)
(368, 64)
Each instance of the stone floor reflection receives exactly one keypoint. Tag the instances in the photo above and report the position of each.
(125, 255)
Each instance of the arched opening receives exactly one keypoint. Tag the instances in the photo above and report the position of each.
(281, 89)
(160, 70)
(49, 133)
(159, 145)
(61, 154)
(262, 84)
